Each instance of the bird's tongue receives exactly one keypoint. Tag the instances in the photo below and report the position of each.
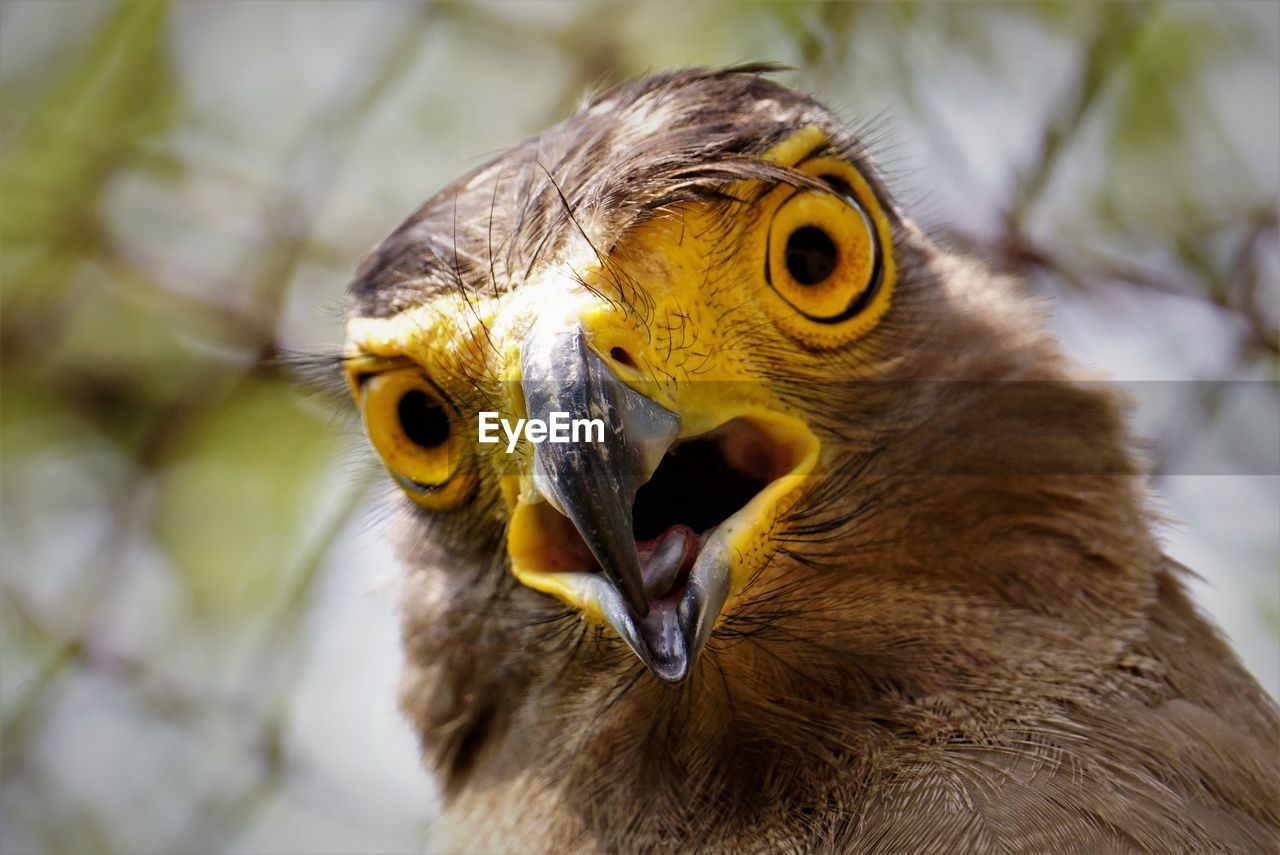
(666, 558)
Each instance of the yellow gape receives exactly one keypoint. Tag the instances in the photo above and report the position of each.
(417, 434)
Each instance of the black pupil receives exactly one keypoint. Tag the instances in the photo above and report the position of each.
(423, 419)
(811, 255)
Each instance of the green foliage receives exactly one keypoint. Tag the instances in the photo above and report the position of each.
(237, 500)
(89, 124)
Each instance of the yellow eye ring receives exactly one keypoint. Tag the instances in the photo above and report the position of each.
(828, 261)
(415, 431)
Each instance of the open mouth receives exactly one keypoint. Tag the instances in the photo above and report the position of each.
(709, 498)
(699, 484)
(643, 529)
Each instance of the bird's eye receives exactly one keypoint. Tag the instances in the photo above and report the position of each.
(811, 255)
(414, 430)
(423, 419)
(825, 257)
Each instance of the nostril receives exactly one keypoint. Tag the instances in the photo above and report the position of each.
(622, 357)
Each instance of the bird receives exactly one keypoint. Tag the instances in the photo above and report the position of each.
(851, 557)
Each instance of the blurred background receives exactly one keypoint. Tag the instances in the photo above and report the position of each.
(197, 606)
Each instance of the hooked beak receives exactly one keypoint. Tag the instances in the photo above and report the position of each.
(594, 484)
(574, 536)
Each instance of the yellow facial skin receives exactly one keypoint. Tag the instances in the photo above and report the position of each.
(666, 311)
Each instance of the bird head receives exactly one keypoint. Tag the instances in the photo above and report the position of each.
(774, 388)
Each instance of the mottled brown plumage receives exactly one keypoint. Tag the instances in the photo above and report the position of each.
(967, 639)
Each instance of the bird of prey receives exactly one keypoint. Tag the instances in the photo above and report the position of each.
(848, 556)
